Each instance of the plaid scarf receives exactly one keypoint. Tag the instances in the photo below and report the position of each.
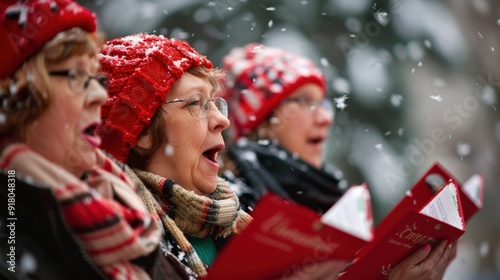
(111, 233)
(184, 212)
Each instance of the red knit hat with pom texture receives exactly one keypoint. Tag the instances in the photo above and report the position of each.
(142, 69)
(258, 78)
(26, 26)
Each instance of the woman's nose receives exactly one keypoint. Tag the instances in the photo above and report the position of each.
(324, 116)
(218, 121)
(96, 94)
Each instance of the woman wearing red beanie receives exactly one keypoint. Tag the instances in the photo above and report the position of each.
(281, 119)
(164, 120)
(68, 211)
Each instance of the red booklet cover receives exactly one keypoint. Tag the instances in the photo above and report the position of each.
(411, 224)
(471, 195)
(285, 236)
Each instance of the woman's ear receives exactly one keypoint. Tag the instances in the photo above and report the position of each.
(145, 141)
(264, 130)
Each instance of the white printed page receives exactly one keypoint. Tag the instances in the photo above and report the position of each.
(444, 206)
(473, 188)
(352, 213)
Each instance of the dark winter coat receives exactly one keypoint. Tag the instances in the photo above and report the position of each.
(266, 166)
(44, 246)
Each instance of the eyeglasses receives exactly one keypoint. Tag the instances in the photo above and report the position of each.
(307, 105)
(199, 105)
(79, 79)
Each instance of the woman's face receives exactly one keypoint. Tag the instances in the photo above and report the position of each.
(190, 155)
(65, 133)
(298, 129)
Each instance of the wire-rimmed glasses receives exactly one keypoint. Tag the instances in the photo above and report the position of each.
(79, 79)
(199, 105)
(307, 105)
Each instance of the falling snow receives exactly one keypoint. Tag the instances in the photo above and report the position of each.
(463, 149)
(428, 43)
(438, 97)
(28, 264)
(324, 62)
(396, 100)
(169, 150)
(484, 249)
(340, 102)
(382, 18)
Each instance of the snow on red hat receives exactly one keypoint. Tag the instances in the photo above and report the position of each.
(258, 78)
(142, 69)
(26, 26)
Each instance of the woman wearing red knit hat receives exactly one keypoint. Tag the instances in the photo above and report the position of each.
(68, 211)
(164, 120)
(280, 118)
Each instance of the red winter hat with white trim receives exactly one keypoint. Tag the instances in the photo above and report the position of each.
(258, 78)
(142, 69)
(26, 26)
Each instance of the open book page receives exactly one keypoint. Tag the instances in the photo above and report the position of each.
(445, 206)
(352, 213)
(473, 188)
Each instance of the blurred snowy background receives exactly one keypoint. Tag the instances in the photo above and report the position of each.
(415, 81)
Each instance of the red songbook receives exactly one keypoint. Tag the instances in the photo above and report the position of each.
(284, 237)
(435, 208)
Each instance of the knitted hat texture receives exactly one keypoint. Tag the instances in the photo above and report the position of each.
(142, 69)
(258, 78)
(26, 26)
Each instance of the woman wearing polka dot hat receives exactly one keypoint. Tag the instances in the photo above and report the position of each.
(280, 119)
(281, 116)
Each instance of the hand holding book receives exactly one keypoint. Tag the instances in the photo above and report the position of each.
(425, 263)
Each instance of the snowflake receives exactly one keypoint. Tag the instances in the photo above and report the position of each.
(438, 97)
(340, 102)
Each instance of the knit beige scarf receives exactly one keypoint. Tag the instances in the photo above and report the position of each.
(184, 212)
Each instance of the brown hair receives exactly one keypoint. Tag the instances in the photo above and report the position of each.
(139, 157)
(26, 95)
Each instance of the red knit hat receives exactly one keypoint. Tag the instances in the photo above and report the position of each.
(142, 69)
(26, 26)
(259, 78)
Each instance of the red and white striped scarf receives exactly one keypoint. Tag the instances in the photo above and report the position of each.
(112, 233)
